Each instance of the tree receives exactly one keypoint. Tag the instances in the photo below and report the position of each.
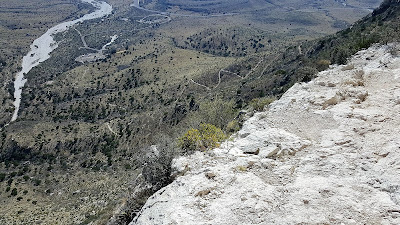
(14, 192)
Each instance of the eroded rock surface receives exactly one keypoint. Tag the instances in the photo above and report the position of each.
(327, 152)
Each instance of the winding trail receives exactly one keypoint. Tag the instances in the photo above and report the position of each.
(85, 45)
(300, 50)
(111, 130)
(253, 69)
(45, 44)
(90, 57)
(227, 71)
(158, 21)
(136, 4)
(201, 85)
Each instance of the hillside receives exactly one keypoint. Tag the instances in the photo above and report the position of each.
(327, 152)
(85, 127)
(301, 62)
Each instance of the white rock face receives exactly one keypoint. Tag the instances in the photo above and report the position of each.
(327, 152)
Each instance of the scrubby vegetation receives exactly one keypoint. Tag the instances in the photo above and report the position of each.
(259, 104)
(300, 63)
(206, 137)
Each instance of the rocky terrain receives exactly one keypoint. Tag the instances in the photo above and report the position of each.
(327, 152)
(85, 129)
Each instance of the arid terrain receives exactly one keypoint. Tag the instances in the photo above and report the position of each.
(141, 76)
(327, 152)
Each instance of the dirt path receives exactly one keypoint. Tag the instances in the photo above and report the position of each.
(85, 45)
(201, 85)
(227, 71)
(110, 129)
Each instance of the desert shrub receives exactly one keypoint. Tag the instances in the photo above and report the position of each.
(36, 182)
(258, 104)
(157, 161)
(127, 166)
(233, 126)
(280, 72)
(323, 64)
(217, 111)
(2, 177)
(14, 192)
(190, 140)
(306, 73)
(206, 137)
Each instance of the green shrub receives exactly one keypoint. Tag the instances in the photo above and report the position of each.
(233, 126)
(9, 182)
(2, 177)
(206, 137)
(218, 112)
(36, 182)
(26, 177)
(127, 166)
(190, 140)
(323, 64)
(258, 104)
(14, 192)
(306, 73)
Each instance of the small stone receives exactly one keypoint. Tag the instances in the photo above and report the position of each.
(251, 164)
(210, 175)
(203, 193)
(244, 135)
(256, 152)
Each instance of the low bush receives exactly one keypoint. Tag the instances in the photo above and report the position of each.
(206, 137)
(2, 177)
(258, 104)
(14, 192)
(322, 64)
(233, 126)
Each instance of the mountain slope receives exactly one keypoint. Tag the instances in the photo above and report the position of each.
(90, 125)
(326, 152)
(300, 63)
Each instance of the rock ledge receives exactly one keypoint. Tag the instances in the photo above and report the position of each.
(327, 152)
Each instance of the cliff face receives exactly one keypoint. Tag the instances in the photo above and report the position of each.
(327, 152)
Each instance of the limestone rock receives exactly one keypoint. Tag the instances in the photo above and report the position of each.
(328, 152)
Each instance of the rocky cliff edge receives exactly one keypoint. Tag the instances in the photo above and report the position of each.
(327, 152)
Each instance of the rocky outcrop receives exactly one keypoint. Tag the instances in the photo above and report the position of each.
(327, 152)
